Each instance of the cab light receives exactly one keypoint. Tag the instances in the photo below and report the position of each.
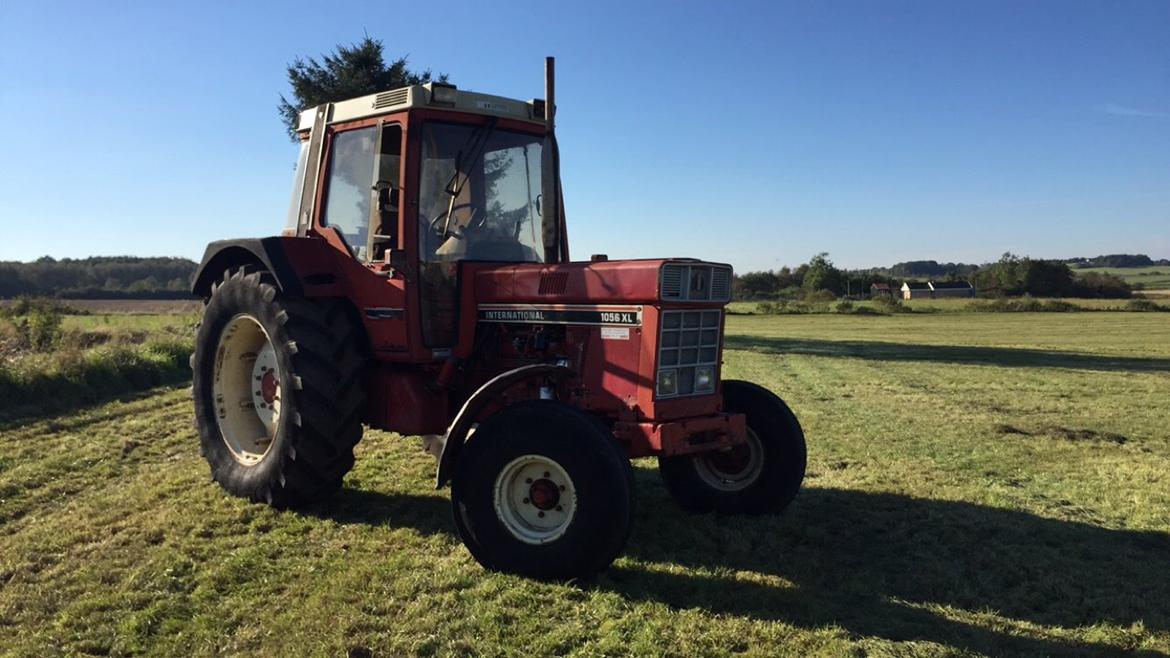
(443, 94)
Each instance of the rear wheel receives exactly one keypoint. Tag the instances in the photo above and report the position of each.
(543, 490)
(761, 475)
(278, 391)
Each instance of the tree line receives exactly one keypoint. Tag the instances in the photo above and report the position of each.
(98, 277)
(1011, 276)
(1119, 260)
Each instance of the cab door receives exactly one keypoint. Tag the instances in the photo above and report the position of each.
(360, 215)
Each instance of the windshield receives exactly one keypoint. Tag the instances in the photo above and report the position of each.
(479, 194)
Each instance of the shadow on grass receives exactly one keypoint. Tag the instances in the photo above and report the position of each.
(1009, 357)
(430, 515)
(870, 564)
(62, 413)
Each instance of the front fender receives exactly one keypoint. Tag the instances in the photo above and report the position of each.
(461, 426)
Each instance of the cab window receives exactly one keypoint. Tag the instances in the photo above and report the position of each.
(361, 179)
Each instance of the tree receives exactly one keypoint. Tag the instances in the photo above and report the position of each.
(348, 72)
(822, 275)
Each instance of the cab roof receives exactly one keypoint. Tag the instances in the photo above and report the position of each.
(419, 96)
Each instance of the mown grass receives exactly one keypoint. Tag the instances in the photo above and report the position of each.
(1017, 503)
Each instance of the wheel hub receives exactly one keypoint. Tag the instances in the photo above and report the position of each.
(735, 469)
(268, 384)
(544, 494)
(535, 499)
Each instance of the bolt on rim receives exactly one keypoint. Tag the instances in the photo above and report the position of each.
(734, 469)
(246, 389)
(535, 499)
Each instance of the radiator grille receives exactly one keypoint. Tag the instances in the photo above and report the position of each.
(721, 283)
(672, 278)
(688, 348)
(699, 282)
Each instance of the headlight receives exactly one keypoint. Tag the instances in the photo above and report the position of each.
(704, 379)
(667, 382)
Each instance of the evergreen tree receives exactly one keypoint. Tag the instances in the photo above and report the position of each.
(348, 72)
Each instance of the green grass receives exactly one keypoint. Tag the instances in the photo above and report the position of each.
(1154, 277)
(979, 484)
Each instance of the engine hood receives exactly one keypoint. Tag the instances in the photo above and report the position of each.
(639, 281)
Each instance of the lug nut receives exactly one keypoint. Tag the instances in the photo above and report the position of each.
(562, 487)
(546, 474)
(525, 501)
(527, 480)
(540, 514)
(560, 509)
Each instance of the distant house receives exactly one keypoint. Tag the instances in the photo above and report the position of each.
(916, 290)
(937, 289)
(880, 290)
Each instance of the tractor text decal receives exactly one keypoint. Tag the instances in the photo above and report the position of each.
(627, 316)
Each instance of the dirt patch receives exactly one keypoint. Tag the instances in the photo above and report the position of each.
(1002, 428)
(1073, 434)
(1066, 433)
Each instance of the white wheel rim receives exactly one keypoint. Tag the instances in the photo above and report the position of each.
(535, 499)
(246, 389)
(719, 477)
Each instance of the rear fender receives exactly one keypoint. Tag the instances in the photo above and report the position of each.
(301, 267)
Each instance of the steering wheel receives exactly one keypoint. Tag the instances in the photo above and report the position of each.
(439, 227)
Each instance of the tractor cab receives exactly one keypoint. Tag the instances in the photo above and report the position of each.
(416, 180)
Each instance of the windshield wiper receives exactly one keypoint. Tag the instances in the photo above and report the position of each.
(478, 143)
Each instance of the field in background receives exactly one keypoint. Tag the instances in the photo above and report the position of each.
(130, 306)
(52, 362)
(979, 484)
(1154, 277)
(966, 306)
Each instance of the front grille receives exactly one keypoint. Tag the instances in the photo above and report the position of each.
(688, 346)
(698, 282)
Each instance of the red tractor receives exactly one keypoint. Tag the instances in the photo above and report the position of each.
(423, 286)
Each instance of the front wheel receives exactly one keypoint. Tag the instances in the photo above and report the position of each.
(543, 490)
(759, 476)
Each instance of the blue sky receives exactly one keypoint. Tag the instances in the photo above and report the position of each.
(754, 133)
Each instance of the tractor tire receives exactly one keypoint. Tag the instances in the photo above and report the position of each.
(543, 490)
(278, 391)
(758, 477)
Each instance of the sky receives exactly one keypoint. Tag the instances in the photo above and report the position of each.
(757, 134)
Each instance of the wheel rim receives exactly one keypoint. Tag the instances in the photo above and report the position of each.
(535, 499)
(734, 469)
(246, 389)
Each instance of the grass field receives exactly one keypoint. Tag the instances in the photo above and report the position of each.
(979, 484)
